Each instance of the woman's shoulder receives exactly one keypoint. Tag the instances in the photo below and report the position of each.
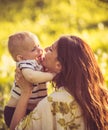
(62, 105)
(59, 95)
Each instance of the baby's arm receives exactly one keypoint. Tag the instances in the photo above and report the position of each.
(37, 76)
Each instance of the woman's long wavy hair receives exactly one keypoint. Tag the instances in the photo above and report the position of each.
(81, 76)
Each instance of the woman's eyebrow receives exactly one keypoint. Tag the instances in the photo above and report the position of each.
(53, 47)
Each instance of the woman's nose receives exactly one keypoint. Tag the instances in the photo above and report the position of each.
(40, 51)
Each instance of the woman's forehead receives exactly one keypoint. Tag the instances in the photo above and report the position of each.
(54, 45)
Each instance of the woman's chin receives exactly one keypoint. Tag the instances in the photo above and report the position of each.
(43, 62)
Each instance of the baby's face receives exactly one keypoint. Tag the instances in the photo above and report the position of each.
(32, 49)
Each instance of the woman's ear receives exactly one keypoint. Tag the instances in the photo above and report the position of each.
(58, 66)
(19, 57)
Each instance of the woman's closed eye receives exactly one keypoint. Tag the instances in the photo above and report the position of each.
(50, 49)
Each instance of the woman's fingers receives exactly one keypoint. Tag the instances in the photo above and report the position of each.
(21, 81)
(18, 74)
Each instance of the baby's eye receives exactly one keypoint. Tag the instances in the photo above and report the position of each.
(33, 49)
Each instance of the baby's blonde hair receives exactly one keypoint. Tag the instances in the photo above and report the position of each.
(16, 42)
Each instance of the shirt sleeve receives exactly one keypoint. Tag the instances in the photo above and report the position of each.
(29, 64)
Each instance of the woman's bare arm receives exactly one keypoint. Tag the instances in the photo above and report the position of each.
(26, 90)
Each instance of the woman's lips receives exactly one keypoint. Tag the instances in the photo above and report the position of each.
(41, 58)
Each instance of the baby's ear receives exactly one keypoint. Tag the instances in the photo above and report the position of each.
(19, 57)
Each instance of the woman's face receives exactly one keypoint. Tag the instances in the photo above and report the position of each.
(50, 60)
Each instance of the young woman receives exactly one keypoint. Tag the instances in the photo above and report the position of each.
(80, 101)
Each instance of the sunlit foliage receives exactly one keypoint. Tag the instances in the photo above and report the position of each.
(49, 19)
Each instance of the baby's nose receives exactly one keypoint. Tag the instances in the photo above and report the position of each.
(40, 51)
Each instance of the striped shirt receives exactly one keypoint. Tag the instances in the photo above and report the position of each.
(39, 90)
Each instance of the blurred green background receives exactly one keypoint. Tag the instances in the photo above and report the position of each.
(49, 19)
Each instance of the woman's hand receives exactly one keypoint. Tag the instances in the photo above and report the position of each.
(24, 85)
(26, 91)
